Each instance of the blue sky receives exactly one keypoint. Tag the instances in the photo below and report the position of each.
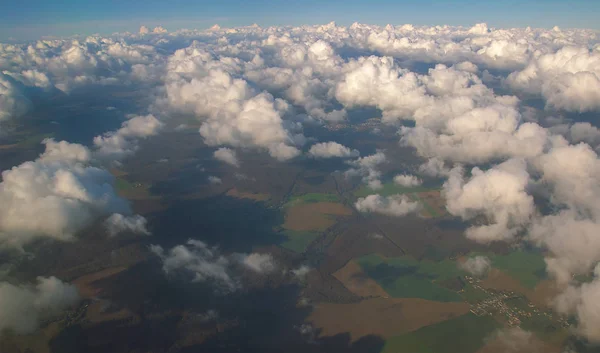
(30, 19)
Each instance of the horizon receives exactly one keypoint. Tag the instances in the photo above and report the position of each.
(72, 18)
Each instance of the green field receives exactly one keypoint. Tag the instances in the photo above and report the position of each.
(464, 334)
(527, 267)
(473, 295)
(312, 198)
(298, 241)
(405, 277)
(389, 189)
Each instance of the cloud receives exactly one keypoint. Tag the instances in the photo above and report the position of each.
(366, 167)
(477, 266)
(118, 223)
(568, 79)
(582, 301)
(232, 112)
(395, 205)
(24, 307)
(499, 194)
(259, 263)
(13, 101)
(117, 144)
(203, 262)
(227, 155)
(331, 149)
(207, 264)
(214, 180)
(407, 180)
(56, 195)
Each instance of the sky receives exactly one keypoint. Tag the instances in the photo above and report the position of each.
(23, 20)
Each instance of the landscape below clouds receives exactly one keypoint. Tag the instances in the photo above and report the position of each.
(374, 188)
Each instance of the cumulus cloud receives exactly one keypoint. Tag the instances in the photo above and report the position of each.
(260, 263)
(366, 167)
(227, 155)
(407, 180)
(118, 223)
(207, 264)
(24, 307)
(582, 301)
(13, 101)
(233, 113)
(331, 149)
(499, 194)
(396, 205)
(568, 79)
(117, 144)
(214, 180)
(56, 195)
(255, 87)
(477, 266)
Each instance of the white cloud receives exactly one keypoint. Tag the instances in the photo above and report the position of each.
(395, 205)
(331, 149)
(366, 167)
(582, 301)
(568, 79)
(407, 180)
(117, 144)
(227, 155)
(23, 307)
(477, 265)
(56, 195)
(13, 101)
(118, 223)
(260, 263)
(232, 112)
(214, 180)
(206, 263)
(499, 194)
(203, 262)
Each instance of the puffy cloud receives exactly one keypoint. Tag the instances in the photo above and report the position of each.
(203, 262)
(232, 112)
(331, 149)
(260, 263)
(584, 132)
(434, 167)
(159, 30)
(477, 265)
(144, 30)
(206, 263)
(13, 101)
(407, 180)
(396, 205)
(56, 195)
(583, 302)
(118, 223)
(117, 144)
(499, 194)
(23, 307)
(214, 180)
(366, 167)
(227, 155)
(568, 79)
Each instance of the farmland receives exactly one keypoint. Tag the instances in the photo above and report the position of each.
(404, 277)
(380, 316)
(464, 334)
